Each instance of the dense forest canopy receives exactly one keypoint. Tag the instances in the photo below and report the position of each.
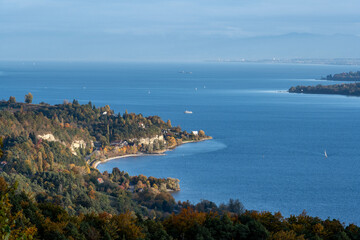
(23, 218)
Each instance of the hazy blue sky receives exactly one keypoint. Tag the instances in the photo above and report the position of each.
(145, 30)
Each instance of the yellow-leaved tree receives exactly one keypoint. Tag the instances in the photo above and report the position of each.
(28, 98)
(8, 227)
(201, 133)
(171, 141)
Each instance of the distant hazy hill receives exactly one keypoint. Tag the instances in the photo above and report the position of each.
(292, 45)
(196, 47)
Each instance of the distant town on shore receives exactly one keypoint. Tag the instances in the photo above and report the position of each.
(325, 61)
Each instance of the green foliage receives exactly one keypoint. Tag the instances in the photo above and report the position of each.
(12, 99)
(348, 89)
(22, 218)
(56, 195)
(55, 174)
(28, 98)
(13, 224)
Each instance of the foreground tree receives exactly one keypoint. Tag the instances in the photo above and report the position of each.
(13, 224)
(201, 133)
(12, 99)
(28, 98)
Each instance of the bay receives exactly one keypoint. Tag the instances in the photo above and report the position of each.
(268, 146)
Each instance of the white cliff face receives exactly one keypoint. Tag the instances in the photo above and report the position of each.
(48, 137)
(76, 144)
(147, 141)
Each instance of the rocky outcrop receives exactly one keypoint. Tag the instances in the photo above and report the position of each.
(171, 184)
(147, 141)
(48, 137)
(76, 145)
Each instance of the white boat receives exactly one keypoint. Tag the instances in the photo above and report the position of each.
(188, 112)
(325, 154)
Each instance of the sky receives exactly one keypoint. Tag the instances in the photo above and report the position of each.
(174, 30)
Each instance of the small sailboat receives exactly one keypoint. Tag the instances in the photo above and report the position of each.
(325, 154)
(188, 112)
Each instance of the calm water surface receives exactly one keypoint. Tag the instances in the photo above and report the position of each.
(268, 146)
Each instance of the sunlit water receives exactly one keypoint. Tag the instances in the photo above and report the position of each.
(268, 146)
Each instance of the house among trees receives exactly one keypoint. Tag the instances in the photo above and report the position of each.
(97, 145)
(195, 133)
(165, 131)
(119, 143)
(100, 180)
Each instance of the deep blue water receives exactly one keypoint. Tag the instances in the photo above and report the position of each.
(268, 145)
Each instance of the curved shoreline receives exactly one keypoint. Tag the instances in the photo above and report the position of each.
(96, 163)
(159, 153)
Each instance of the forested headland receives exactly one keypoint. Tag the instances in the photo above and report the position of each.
(49, 190)
(350, 76)
(48, 150)
(348, 89)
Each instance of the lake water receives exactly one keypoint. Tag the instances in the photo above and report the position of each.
(268, 146)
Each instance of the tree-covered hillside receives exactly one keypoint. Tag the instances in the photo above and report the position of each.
(48, 150)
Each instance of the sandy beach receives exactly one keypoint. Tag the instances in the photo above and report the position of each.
(96, 163)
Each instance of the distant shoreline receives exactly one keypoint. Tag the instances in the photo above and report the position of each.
(156, 153)
(297, 61)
